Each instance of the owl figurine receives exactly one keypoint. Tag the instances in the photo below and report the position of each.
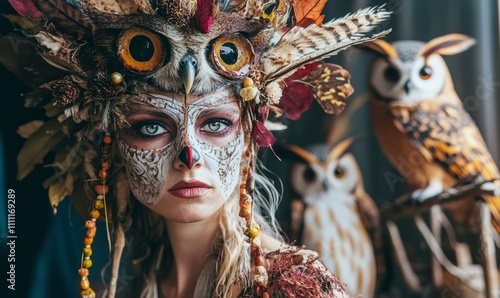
(334, 215)
(424, 130)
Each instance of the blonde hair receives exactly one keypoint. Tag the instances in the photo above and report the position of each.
(231, 251)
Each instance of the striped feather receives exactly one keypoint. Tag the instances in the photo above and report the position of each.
(65, 16)
(301, 46)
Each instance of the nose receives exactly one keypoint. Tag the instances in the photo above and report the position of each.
(187, 71)
(189, 156)
(408, 86)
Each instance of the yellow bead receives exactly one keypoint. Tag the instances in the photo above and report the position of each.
(99, 204)
(247, 82)
(87, 264)
(254, 231)
(87, 293)
(89, 224)
(87, 251)
(116, 78)
(248, 93)
(84, 284)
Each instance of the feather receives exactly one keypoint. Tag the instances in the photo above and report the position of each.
(57, 193)
(28, 129)
(80, 199)
(61, 52)
(88, 157)
(37, 146)
(20, 57)
(205, 15)
(301, 46)
(65, 16)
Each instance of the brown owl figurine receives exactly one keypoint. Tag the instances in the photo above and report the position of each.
(419, 118)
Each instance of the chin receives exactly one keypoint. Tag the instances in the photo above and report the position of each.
(192, 215)
(190, 210)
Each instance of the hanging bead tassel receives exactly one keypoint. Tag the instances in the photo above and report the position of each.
(101, 189)
(252, 229)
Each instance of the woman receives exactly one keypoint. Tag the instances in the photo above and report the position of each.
(195, 206)
(159, 109)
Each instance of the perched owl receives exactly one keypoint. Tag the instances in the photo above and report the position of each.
(334, 215)
(423, 128)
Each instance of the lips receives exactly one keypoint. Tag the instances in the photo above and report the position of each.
(189, 189)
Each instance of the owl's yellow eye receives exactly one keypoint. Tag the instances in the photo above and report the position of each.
(339, 172)
(425, 73)
(140, 49)
(232, 55)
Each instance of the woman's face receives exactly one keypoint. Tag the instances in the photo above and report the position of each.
(152, 145)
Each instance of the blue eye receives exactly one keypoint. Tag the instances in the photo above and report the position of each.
(217, 126)
(151, 129)
(214, 126)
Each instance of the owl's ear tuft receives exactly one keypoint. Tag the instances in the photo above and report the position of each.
(295, 153)
(381, 47)
(449, 44)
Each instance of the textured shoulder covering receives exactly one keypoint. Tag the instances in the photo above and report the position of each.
(296, 272)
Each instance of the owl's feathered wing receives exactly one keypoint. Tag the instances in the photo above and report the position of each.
(446, 134)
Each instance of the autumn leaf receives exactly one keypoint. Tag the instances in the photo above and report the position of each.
(308, 12)
(26, 9)
(297, 96)
(262, 136)
(331, 86)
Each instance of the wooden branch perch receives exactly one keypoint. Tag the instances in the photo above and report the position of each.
(406, 207)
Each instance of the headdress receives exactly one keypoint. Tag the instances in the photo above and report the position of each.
(105, 54)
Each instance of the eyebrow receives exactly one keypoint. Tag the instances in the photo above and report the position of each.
(225, 107)
(148, 110)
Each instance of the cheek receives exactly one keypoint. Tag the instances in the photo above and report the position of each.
(224, 163)
(146, 171)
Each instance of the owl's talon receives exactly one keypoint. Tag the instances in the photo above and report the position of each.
(490, 186)
(433, 189)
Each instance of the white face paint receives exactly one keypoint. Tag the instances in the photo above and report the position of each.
(151, 147)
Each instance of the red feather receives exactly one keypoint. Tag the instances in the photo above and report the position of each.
(297, 96)
(26, 8)
(261, 135)
(205, 15)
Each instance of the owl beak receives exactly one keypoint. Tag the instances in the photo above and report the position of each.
(187, 71)
(325, 185)
(408, 86)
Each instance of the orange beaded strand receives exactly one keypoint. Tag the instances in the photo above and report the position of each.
(101, 189)
(252, 231)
